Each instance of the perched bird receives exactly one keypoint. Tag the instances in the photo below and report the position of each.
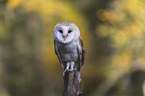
(69, 46)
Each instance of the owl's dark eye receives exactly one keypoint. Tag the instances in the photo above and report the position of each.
(69, 31)
(60, 31)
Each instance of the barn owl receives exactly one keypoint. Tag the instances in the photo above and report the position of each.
(69, 46)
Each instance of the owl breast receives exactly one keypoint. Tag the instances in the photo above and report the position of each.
(68, 51)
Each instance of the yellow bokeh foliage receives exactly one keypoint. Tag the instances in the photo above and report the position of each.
(51, 12)
(123, 24)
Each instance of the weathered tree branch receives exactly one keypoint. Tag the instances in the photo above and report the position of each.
(72, 86)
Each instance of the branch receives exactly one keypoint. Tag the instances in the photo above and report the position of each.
(72, 84)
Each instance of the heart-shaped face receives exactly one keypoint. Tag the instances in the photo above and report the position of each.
(66, 32)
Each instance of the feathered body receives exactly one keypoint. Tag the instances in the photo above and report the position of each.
(69, 45)
(68, 51)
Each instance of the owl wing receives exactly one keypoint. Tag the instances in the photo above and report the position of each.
(57, 52)
(81, 52)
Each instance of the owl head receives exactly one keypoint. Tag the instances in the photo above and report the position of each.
(66, 32)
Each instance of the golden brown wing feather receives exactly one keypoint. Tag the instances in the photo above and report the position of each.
(82, 55)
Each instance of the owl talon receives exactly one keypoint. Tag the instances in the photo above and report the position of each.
(69, 67)
(64, 73)
(70, 70)
(67, 70)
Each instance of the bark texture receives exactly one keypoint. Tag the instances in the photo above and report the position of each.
(72, 86)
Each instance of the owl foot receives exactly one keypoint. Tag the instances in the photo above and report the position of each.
(66, 70)
(69, 67)
(70, 70)
(72, 66)
(64, 73)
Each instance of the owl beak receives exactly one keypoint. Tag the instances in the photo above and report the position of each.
(65, 36)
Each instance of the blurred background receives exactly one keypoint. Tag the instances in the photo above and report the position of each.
(113, 32)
